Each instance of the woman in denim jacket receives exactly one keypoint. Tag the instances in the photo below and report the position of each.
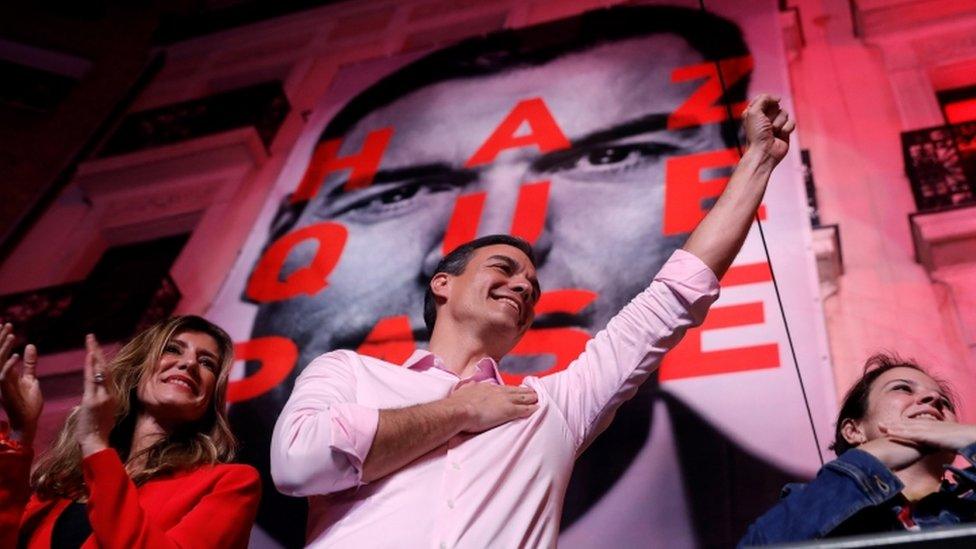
(896, 436)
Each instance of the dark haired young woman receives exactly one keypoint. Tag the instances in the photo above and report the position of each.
(896, 437)
(142, 461)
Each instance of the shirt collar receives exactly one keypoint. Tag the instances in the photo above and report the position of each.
(486, 369)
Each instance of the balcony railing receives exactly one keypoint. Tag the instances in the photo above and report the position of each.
(941, 165)
(263, 106)
(57, 318)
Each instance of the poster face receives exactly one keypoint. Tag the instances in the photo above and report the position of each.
(602, 139)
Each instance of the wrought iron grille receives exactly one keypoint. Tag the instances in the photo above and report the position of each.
(941, 165)
(263, 106)
(57, 318)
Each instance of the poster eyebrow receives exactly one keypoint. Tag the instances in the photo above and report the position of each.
(424, 170)
(650, 123)
(442, 171)
(653, 122)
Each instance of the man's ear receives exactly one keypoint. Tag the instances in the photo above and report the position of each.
(852, 432)
(440, 285)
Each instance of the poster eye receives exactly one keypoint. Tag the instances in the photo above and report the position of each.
(614, 158)
(609, 156)
(377, 204)
(399, 194)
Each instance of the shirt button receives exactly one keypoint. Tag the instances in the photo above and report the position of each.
(450, 504)
(882, 485)
(456, 465)
(443, 545)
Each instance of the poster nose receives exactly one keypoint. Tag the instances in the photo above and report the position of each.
(501, 185)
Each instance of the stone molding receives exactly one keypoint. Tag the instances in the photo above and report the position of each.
(945, 244)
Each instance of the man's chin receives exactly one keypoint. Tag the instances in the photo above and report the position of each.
(504, 333)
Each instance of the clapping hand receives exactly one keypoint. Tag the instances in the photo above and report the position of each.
(96, 415)
(20, 393)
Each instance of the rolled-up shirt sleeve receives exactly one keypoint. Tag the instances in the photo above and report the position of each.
(322, 436)
(622, 356)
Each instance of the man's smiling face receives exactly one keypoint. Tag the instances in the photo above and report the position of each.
(494, 296)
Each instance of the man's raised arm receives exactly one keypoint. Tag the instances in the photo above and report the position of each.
(623, 355)
(718, 237)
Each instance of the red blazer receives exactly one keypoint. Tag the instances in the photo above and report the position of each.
(210, 506)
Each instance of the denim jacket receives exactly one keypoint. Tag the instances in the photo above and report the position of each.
(857, 494)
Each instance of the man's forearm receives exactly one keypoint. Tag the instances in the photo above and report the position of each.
(405, 434)
(719, 236)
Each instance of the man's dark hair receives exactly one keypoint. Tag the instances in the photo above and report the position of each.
(712, 36)
(855, 404)
(455, 262)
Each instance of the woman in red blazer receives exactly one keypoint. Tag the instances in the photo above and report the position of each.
(142, 462)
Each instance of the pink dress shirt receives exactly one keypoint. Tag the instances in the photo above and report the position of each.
(500, 488)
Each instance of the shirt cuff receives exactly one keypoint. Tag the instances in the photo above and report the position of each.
(691, 281)
(353, 428)
(874, 478)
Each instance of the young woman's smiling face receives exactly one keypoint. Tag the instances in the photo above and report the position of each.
(902, 394)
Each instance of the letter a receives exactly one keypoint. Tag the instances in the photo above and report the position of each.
(544, 133)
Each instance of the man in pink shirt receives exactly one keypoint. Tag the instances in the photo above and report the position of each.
(437, 452)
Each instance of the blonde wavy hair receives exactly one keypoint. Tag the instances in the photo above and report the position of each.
(208, 440)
